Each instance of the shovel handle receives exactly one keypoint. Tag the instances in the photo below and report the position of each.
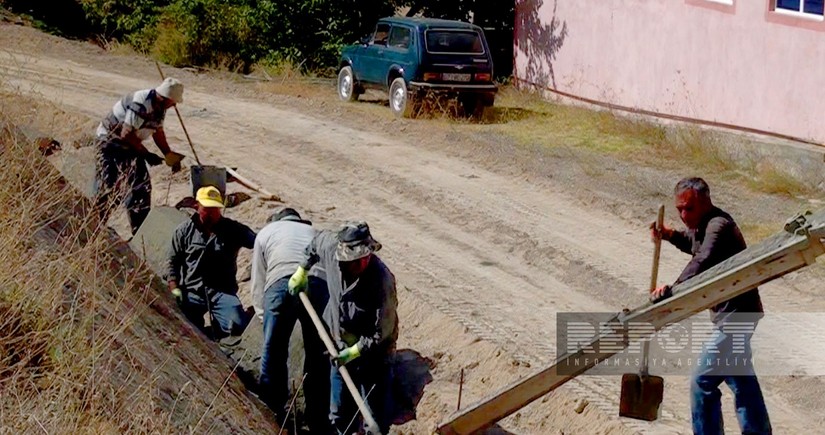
(657, 247)
(180, 118)
(654, 276)
(372, 426)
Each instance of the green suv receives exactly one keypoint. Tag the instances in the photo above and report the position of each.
(410, 58)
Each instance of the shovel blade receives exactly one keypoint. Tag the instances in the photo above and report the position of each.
(641, 396)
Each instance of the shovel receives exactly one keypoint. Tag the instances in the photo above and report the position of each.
(369, 422)
(641, 393)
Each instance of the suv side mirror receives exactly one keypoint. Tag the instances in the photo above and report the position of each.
(365, 40)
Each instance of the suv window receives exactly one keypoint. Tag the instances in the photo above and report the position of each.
(451, 41)
(400, 37)
(382, 30)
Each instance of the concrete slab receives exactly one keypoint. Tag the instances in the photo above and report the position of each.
(248, 351)
(78, 167)
(154, 237)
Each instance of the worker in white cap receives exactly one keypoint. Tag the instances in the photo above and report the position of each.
(121, 172)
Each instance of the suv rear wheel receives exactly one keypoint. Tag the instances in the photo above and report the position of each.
(401, 102)
(347, 90)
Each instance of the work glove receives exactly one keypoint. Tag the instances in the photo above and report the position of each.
(348, 354)
(152, 159)
(173, 160)
(298, 281)
(178, 296)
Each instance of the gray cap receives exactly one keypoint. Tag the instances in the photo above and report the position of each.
(286, 214)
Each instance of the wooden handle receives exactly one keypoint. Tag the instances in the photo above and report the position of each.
(252, 185)
(180, 118)
(660, 222)
(654, 276)
(353, 390)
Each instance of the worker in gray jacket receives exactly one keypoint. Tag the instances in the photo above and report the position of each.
(279, 250)
(362, 317)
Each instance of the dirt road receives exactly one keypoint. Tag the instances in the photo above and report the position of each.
(496, 253)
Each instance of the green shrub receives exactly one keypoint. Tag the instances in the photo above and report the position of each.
(122, 18)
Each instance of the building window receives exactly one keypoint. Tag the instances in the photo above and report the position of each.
(813, 7)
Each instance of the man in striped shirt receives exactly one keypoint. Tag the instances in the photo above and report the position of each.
(121, 172)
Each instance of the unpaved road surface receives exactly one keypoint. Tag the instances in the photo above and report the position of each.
(496, 253)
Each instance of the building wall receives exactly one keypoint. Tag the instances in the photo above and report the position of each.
(740, 64)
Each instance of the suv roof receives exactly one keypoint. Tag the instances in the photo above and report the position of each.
(429, 23)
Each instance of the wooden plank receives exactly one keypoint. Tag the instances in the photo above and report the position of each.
(774, 257)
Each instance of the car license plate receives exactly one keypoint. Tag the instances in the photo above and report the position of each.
(454, 77)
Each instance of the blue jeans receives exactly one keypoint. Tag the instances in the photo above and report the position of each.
(227, 313)
(281, 310)
(706, 404)
(372, 375)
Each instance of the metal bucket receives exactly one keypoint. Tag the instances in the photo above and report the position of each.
(201, 176)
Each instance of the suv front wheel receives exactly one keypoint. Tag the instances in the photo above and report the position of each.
(401, 102)
(347, 89)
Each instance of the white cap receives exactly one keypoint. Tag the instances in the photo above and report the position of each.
(172, 89)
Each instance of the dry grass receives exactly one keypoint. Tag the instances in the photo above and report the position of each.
(117, 48)
(531, 120)
(91, 343)
(771, 179)
(63, 315)
(170, 45)
(756, 231)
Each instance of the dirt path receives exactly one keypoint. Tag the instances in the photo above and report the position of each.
(496, 253)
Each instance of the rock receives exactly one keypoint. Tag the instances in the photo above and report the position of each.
(580, 406)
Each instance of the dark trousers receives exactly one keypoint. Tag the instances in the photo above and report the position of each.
(281, 310)
(226, 312)
(121, 176)
(372, 375)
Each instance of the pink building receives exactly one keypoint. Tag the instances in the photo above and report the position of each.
(752, 64)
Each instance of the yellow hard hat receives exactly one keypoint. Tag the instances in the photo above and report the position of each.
(209, 196)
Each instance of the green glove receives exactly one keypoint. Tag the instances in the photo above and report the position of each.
(178, 296)
(348, 354)
(298, 281)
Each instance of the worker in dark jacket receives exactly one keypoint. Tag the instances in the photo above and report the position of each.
(712, 237)
(362, 317)
(203, 264)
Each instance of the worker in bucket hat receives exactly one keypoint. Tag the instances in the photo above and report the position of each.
(361, 316)
(203, 266)
(121, 172)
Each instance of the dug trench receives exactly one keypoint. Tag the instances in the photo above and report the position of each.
(434, 353)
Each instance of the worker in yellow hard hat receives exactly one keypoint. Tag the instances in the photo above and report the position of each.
(203, 265)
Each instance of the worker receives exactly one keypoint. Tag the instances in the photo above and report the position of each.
(279, 250)
(362, 317)
(203, 264)
(121, 174)
(711, 237)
